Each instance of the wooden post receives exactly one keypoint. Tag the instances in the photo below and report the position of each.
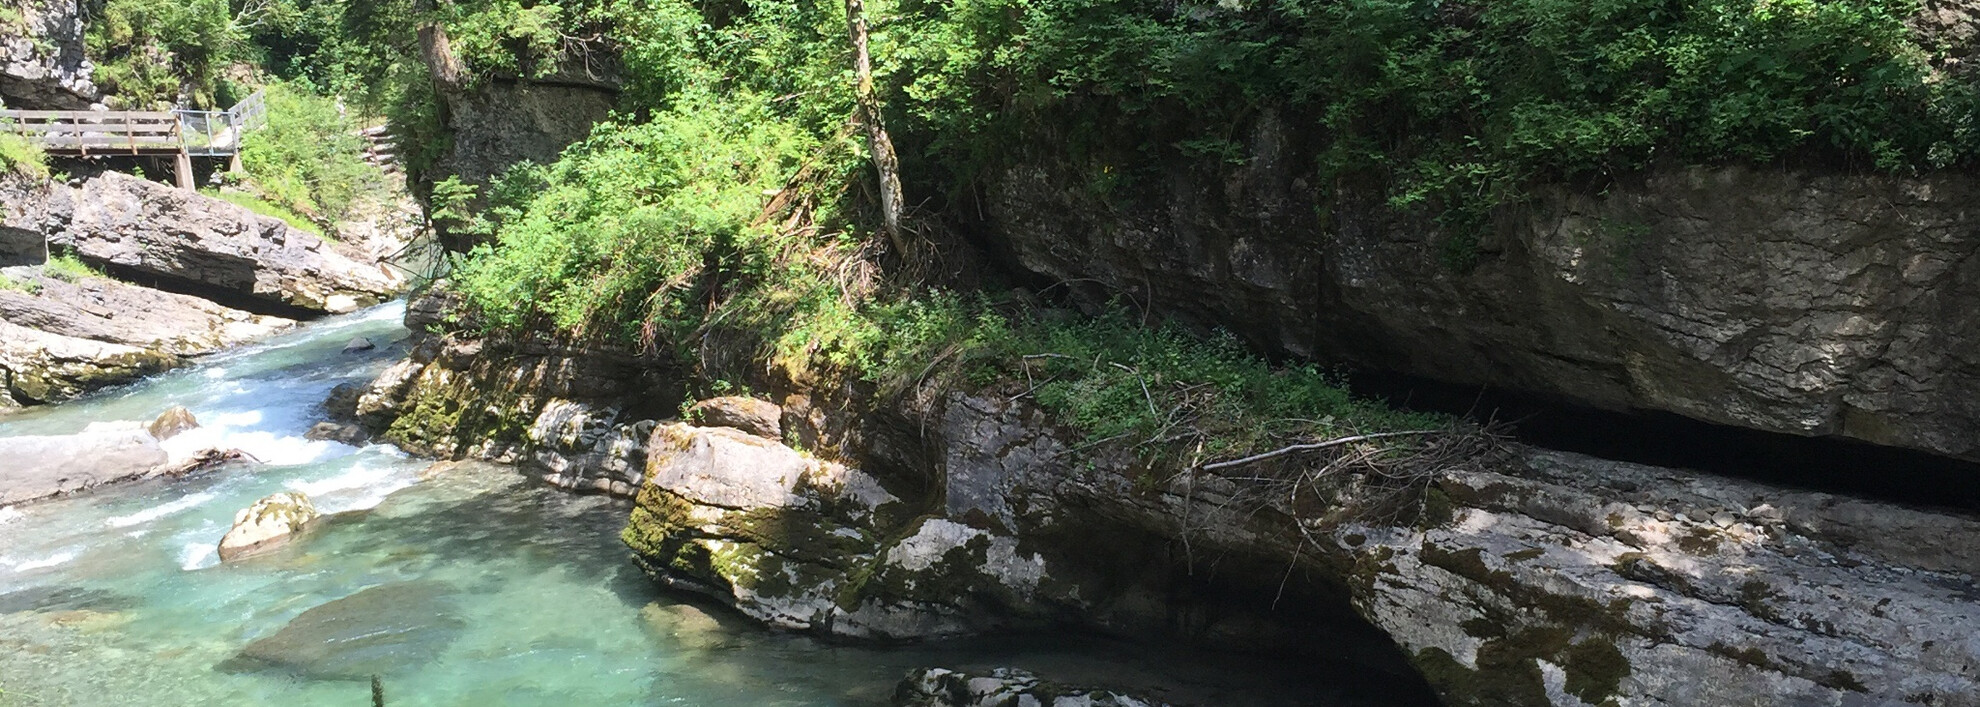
(183, 165)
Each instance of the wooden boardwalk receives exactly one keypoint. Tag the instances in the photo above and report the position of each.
(180, 133)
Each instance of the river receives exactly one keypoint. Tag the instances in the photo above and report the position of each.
(116, 596)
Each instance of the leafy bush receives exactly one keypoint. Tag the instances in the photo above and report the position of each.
(148, 51)
(69, 268)
(309, 159)
(22, 157)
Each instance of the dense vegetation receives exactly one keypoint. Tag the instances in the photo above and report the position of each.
(732, 194)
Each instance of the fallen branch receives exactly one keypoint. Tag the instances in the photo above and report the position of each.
(1282, 451)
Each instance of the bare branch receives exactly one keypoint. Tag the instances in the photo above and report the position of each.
(1282, 451)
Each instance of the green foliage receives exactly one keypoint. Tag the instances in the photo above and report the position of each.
(619, 231)
(7, 282)
(309, 159)
(69, 268)
(148, 51)
(22, 157)
(1451, 107)
(268, 208)
(1160, 390)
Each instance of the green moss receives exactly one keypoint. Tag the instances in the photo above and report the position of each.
(1524, 555)
(1595, 668)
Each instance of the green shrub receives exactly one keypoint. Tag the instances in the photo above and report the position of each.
(19, 155)
(309, 159)
(7, 282)
(69, 268)
(268, 208)
(148, 51)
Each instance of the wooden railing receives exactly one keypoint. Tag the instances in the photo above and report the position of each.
(73, 132)
(189, 132)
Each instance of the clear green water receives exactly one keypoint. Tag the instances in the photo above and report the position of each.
(115, 597)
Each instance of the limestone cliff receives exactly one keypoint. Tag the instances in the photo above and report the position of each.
(1526, 578)
(1790, 301)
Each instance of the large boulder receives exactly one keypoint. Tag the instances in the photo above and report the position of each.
(146, 229)
(806, 544)
(1571, 580)
(48, 465)
(42, 66)
(108, 310)
(39, 367)
(755, 416)
(267, 524)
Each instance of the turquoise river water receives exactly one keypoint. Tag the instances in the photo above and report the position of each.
(116, 596)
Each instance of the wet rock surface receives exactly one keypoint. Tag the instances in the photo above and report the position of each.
(270, 523)
(1002, 687)
(47, 465)
(383, 630)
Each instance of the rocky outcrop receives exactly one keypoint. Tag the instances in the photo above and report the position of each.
(39, 367)
(270, 523)
(1525, 577)
(61, 338)
(116, 312)
(1804, 303)
(754, 416)
(1573, 580)
(1002, 687)
(148, 230)
(42, 66)
(49, 465)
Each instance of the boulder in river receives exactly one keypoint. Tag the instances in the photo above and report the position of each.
(358, 344)
(267, 524)
(384, 630)
(40, 466)
(39, 367)
(172, 422)
(349, 433)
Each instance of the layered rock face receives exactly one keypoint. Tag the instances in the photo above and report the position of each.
(1776, 300)
(1537, 578)
(60, 339)
(42, 66)
(151, 230)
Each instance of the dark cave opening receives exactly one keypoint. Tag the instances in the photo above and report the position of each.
(1826, 464)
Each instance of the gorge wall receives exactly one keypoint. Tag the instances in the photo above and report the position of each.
(1804, 302)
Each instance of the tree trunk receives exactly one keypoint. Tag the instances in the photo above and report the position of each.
(882, 147)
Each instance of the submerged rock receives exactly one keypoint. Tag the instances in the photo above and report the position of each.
(267, 524)
(1002, 687)
(47, 465)
(758, 417)
(172, 422)
(358, 345)
(384, 630)
(349, 433)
